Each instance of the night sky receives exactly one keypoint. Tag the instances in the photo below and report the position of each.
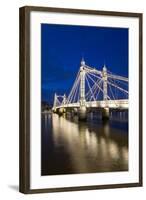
(63, 46)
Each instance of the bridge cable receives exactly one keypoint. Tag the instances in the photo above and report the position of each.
(97, 85)
(92, 95)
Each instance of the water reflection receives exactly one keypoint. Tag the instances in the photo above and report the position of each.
(93, 146)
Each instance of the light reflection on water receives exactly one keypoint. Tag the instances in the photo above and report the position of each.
(69, 146)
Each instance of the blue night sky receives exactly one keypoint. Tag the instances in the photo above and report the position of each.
(62, 47)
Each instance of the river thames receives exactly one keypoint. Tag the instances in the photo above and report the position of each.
(70, 147)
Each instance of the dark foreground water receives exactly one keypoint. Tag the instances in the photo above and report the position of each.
(69, 146)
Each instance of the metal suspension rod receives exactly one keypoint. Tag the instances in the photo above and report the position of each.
(93, 88)
(97, 85)
(117, 87)
(98, 89)
(75, 86)
(90, 88)
(117, 77)
(119, 81)
(116, 82)
(72, 87)
(112, 92)
(92, 69)
(71, 93)
(113, 95)
(98, 77)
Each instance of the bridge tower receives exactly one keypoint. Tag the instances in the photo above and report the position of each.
(64, 99)
(105, 111)
(82, 83)
(82, 109)
(104, 76)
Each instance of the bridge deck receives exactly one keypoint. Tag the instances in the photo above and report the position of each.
(120, 103)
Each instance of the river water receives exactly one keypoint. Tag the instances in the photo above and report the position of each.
(69, 146)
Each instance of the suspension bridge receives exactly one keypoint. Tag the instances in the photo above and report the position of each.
(94, 89)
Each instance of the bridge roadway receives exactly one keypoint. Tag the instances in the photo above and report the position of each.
(113, 104)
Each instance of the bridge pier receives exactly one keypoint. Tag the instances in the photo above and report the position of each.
(61, 111)
(75, 111)
(54, 110)
(105, 113)
(82, 113)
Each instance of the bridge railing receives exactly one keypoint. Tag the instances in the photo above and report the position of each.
(120, 103)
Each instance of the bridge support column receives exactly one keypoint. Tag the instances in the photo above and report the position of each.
(61, 111)
(82, 110)
(104, 76)
(75, 111)
(54, 110)
(82, 113)
(105, 113)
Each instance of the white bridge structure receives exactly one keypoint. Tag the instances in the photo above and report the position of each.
(92, 89)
